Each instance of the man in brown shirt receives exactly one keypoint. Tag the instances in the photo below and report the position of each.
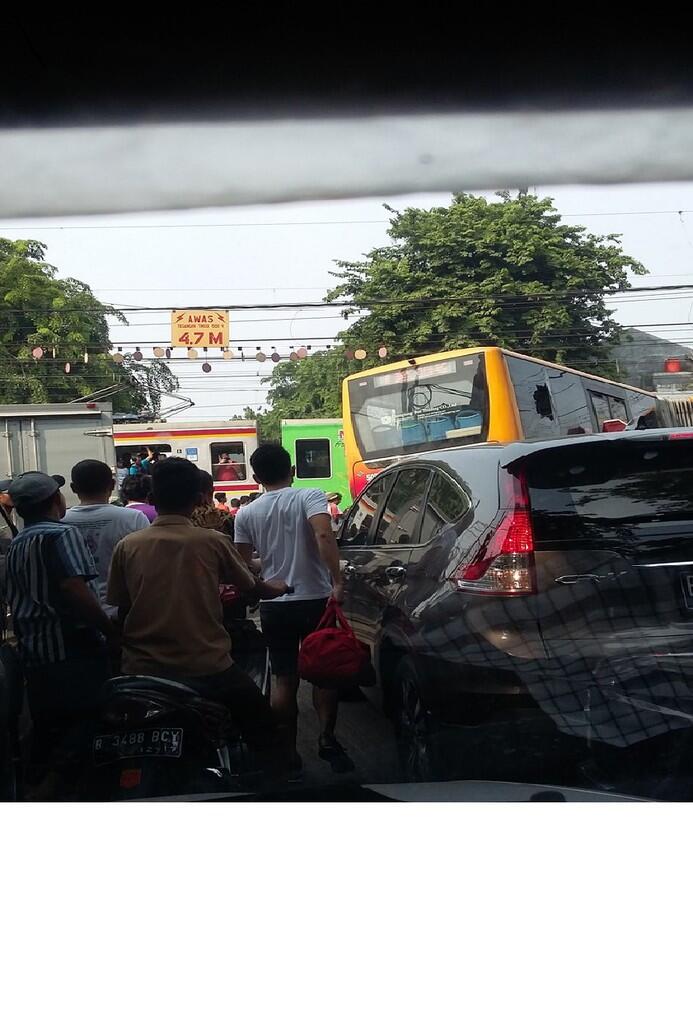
(167, 594)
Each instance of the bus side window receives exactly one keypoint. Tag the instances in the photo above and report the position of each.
(533, 398)
(643, 411)
(618, 408)
(600, 407)
(570, 402)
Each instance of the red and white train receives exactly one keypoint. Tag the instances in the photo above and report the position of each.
(220, 447)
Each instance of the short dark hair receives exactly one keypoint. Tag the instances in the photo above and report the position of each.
(136, 488)
(206, 482)
(176, 485)
(220, 496)
(91, 477)
(271, 464)
(235, 503)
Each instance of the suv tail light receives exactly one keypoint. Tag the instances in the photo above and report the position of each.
(503, 561)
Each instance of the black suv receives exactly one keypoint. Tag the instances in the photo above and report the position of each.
(554, 577)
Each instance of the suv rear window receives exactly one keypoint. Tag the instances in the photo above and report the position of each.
(614, 492)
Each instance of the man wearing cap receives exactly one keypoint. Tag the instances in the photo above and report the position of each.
(60, 627)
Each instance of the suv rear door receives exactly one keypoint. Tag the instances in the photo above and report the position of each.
(377, 559)
(613, 530)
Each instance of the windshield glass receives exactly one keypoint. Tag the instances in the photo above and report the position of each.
(612, 492)
(234, 606)
(435, 405)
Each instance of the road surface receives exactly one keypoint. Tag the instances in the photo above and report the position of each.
(362, 729)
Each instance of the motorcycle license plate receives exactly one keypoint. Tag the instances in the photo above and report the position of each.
(138, 743)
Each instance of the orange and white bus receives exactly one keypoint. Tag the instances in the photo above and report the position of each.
(469, 396)
(220, 447)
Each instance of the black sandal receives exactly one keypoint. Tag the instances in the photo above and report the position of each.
(332, 750)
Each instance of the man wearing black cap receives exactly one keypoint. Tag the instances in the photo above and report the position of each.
(60, 627)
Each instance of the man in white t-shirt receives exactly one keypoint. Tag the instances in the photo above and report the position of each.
(101, 525)
(291, 530)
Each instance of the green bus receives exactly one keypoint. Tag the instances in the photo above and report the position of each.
(317, 452)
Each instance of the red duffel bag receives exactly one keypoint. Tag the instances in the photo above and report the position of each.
(332, 657)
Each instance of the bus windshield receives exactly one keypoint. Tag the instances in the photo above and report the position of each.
(440, 404)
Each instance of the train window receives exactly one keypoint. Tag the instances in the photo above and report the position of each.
(228, 461)
(125, 452)
(313, 459)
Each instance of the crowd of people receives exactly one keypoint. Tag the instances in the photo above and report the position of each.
(136, 588)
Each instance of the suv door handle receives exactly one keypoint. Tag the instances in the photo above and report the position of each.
(348, 571)
(395, 573)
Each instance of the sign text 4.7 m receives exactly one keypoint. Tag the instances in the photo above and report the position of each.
(203, 328)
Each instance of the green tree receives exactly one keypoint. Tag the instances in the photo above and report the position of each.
(145, 384)
(506, 273)
(64, 318)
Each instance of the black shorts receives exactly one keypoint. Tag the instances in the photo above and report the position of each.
(284, 625)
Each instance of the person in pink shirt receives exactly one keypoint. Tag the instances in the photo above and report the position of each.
(136, 493)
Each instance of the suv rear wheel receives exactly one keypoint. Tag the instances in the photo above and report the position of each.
(416, 740)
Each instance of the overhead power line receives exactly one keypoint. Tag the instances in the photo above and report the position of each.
(197, 225)
(184, 226)
(507, 298)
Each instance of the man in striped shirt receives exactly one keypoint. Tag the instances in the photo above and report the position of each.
(60, 626)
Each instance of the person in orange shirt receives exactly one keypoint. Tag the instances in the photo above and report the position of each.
(220, 501)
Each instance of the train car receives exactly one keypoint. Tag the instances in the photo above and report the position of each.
(317, 452)
(221, 447)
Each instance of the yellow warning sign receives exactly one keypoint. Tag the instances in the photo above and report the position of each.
(200, 328)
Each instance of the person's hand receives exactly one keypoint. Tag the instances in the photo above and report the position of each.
(338, 593)
(275, 588)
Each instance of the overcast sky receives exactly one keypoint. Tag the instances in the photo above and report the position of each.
(284, 253)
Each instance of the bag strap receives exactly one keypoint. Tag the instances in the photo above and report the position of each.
(328, 616)
(342, 619)
(332, 616)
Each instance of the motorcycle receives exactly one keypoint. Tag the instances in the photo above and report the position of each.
(154, 737)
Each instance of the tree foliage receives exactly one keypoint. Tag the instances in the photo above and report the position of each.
(64, 318)
(506, 273)
(308, 388)
(147, 383)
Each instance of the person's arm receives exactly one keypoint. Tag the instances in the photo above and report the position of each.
(75, 566)
(246, 553)
(81, 599)
(242, 539)
(235, 571)
(117, 592)
(329, 552)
